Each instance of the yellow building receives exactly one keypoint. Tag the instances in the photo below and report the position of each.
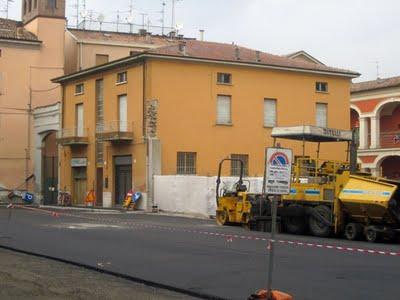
(32, 52)
(180, 109)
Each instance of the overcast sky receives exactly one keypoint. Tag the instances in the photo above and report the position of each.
(351, 34)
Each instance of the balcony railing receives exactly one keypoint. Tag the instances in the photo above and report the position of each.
(115, 131)
(390, 139)
(73, 136)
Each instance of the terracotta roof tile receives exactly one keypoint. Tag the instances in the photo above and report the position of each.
(229, 52)
(14, 30)
(118, 37)
(375, 84)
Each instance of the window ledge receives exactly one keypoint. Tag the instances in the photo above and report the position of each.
(226, 84)
(224, 124)
(322, 92)
(121, 83)
(78, 94)
(269, 127)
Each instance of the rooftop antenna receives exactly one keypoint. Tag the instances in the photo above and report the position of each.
(84, 13)
(163, 18)
(130, 18)
(143, 19)
(173, 13)
(118, 20)
(148, 24)
(101, 19)
(377, 69)
(76, 16)
(7, 7)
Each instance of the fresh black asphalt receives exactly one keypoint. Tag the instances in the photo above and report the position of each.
(166, 250)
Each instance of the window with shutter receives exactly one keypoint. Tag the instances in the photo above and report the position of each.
(269, 112)
(322, 115)
(224, 110)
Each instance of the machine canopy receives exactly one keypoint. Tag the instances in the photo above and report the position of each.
(312, 134)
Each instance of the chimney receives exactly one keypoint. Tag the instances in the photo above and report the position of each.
(202, 35)
(142, 32)
(182, 47)
(172, 34)
(237, 53)
(180, 36)
(148, 37)
(258, 57)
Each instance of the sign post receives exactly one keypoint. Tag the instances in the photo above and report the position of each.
(277, 182)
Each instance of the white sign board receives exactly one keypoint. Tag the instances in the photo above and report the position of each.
(278, 171)
(78, 162)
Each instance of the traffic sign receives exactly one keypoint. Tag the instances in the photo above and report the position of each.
(279, 171)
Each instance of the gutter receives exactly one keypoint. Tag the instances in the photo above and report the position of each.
(20, 41)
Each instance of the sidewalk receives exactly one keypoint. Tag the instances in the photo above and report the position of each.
(28, 277)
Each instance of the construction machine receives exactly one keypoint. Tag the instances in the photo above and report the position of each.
(236, 205)
(327, 197)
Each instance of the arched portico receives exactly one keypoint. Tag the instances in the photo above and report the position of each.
(388, 166)
(385, 124)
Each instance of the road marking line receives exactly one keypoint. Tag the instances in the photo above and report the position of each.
(209, 233)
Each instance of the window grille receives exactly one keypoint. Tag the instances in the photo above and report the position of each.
(235, 165)
(186, 163)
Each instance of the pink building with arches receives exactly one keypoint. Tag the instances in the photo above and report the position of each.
(375, 113)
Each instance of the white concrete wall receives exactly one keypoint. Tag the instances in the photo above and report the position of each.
(192, 194)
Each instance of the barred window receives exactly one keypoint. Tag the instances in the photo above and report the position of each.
(186, 163)
(235, 165)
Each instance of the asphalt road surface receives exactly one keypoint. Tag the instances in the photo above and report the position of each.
(197, 255)
(29, 277)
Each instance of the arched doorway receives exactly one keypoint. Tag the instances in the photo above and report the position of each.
(355, 124)
(390, 167)
(50, 169)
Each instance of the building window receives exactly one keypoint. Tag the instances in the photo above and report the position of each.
(269, 112)
(122, 77)
(321, 87)
(235, 165)
(79, 89)
(35, 4)
(224, 108)
(224, 78)
(79, 120)
(123, 113)
(186, 163)
(30, 5)
(101, 59)
(52, 4)
(322, 114)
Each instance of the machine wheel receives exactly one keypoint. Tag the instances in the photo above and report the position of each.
(295, 225)
(371, 234)
(353, 231)
(222, 217)
(318, 228)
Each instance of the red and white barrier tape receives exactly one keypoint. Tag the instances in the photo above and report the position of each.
(228, 237)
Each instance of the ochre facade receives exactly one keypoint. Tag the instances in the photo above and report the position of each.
(187, 93)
